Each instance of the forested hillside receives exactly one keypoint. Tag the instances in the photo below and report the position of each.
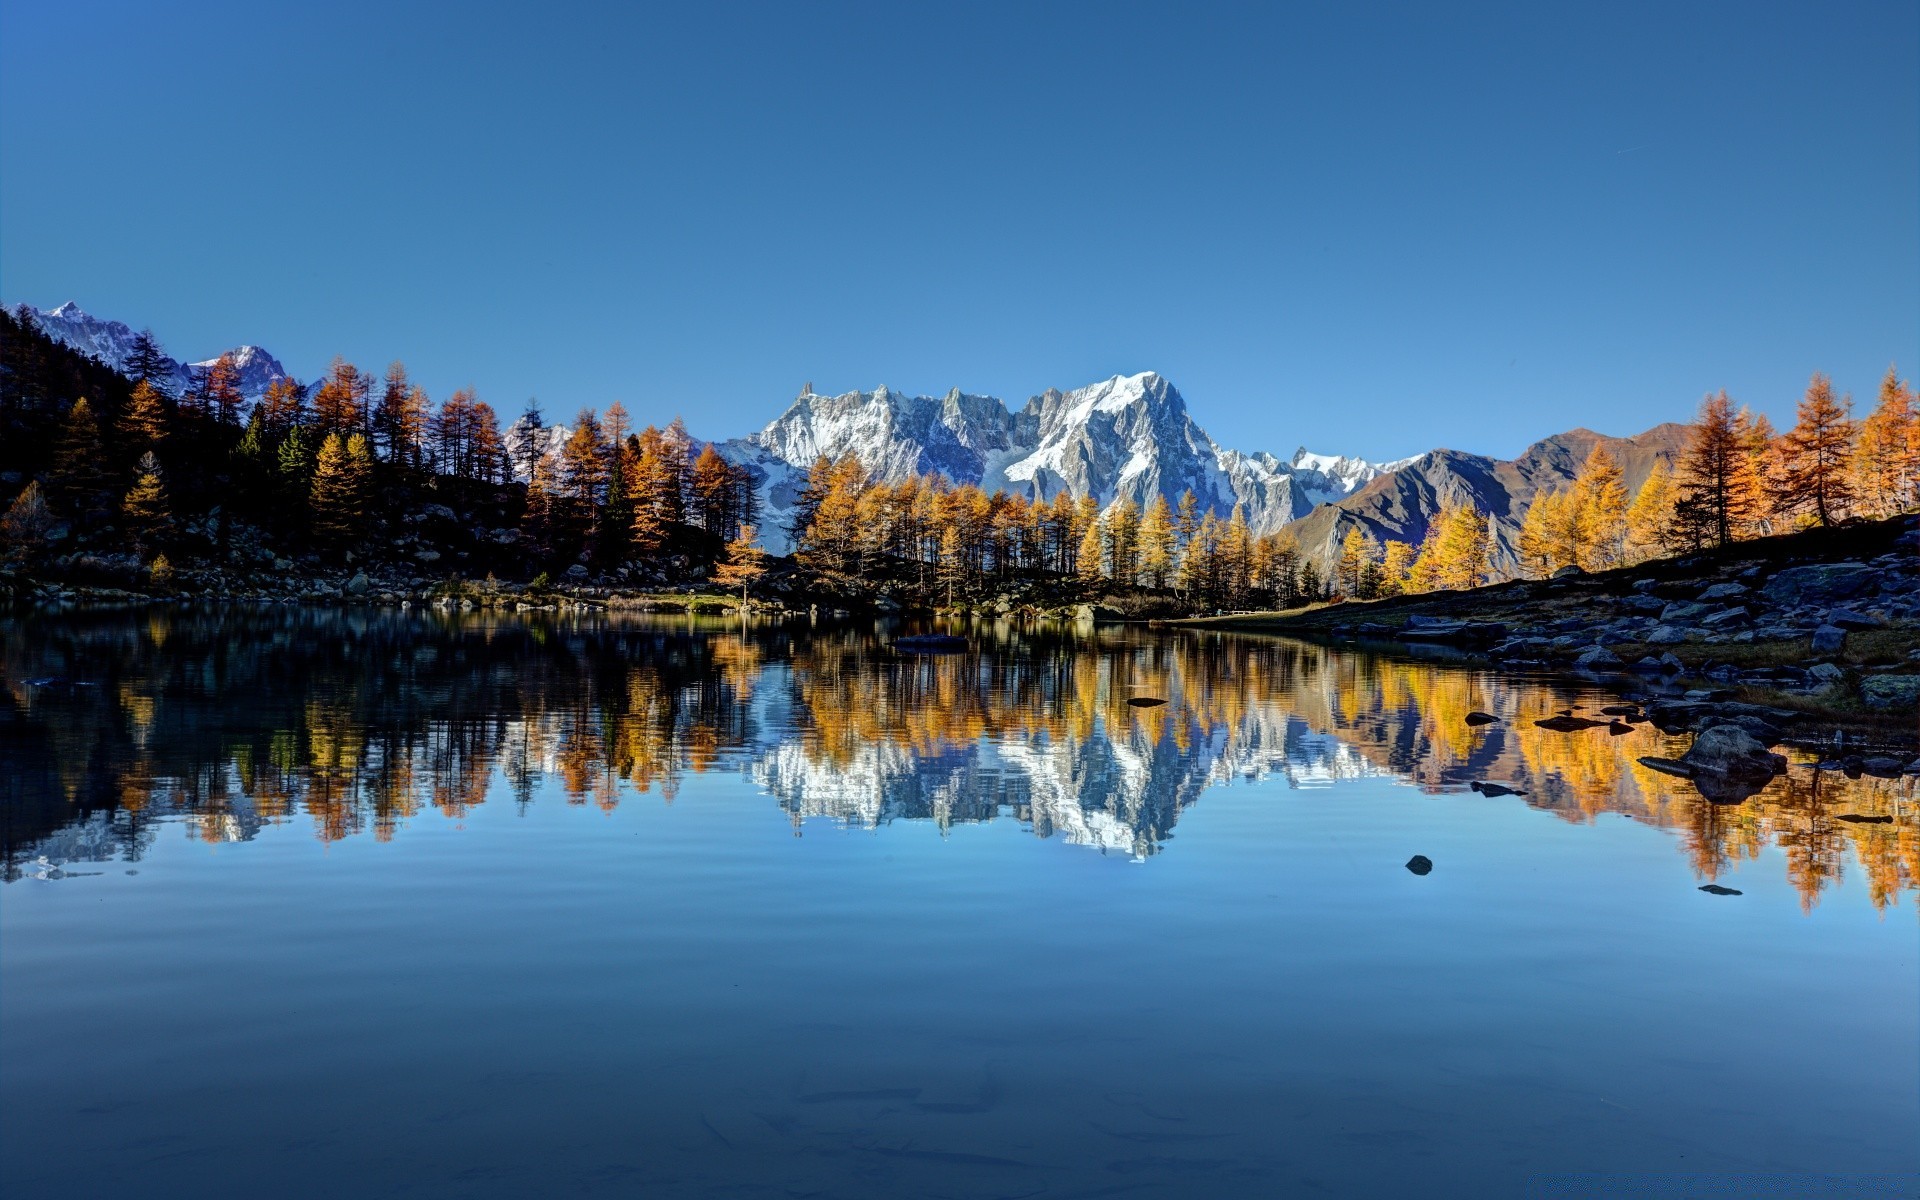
(109, 476)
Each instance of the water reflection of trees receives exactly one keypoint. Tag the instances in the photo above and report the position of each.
(357, 722)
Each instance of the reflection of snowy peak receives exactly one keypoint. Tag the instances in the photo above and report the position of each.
(1117, 791)
(1129, 437)
(112, 343)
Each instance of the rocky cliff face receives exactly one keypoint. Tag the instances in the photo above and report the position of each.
(1126, 437)
(1401, 502)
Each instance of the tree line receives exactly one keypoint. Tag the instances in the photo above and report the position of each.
(337, 469)
(343, 468)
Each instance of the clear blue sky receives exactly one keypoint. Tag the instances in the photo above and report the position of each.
(1371, 230)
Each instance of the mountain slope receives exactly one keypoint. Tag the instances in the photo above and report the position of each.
(1129, 437)
(111, 342)
(1400, 503)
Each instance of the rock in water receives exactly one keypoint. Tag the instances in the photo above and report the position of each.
(1729, 764)
(1566, 724)
(1667, 766)
(1863, 819)
(1145, 701)
(1480, 718)
(1494, 789)
(1714, 889)
(1420, 864)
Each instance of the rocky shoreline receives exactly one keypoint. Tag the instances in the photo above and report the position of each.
(1813, 636)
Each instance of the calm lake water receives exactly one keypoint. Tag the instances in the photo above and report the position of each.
(306, 903)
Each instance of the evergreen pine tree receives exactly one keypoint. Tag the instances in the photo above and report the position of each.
(147, 363)
(78, 479)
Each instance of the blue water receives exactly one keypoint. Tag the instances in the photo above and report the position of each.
(827, 951)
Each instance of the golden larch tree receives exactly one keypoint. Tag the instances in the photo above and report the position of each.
(1814, 456)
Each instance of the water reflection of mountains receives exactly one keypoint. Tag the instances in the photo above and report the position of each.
(113, 726)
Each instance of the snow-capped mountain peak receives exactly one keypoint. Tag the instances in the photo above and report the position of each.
(112, 343)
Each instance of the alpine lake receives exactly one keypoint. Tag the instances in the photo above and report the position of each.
(325, 902)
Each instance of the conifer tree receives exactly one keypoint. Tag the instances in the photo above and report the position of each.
(1714, 497)
(1650, 517)
(1814, 456)
(1187, 520)
(1355, 557)
(1086, 515)
(147, 512)
(26, 526)
(1886, 458)
(1091, 560)
(1312, 588)
(742, 565)
(807, 503)
(951, 568)
(401, 419)
(584, 471)
(1157, 542)
(1123, 540)
(1455, 554)
(340, 402)
(283, 407)
(1537, 543)
(712, 493)
(1396, 567)
(339, 495)
(1236, 559)
(147, 363)
(79, 474)
(537, 521)
(1757, 479)
(293, 462)
(222, 390)
(1600, 522)
(143, 422)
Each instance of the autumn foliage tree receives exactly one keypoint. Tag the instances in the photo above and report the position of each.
(1814, 456)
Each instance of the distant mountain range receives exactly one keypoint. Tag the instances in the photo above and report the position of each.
(112, 342)
(1129, 436)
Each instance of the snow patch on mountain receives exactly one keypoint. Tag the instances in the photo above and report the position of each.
(1127, 437)
(112, 343)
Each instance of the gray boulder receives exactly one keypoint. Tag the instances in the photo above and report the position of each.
(1729, 764)
(1847, 618)
(1824, 581)
(1684, 610)
(1597, 658)
(1725, 591)
(1891, 691)
(1829, 639)
(1666, 635)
